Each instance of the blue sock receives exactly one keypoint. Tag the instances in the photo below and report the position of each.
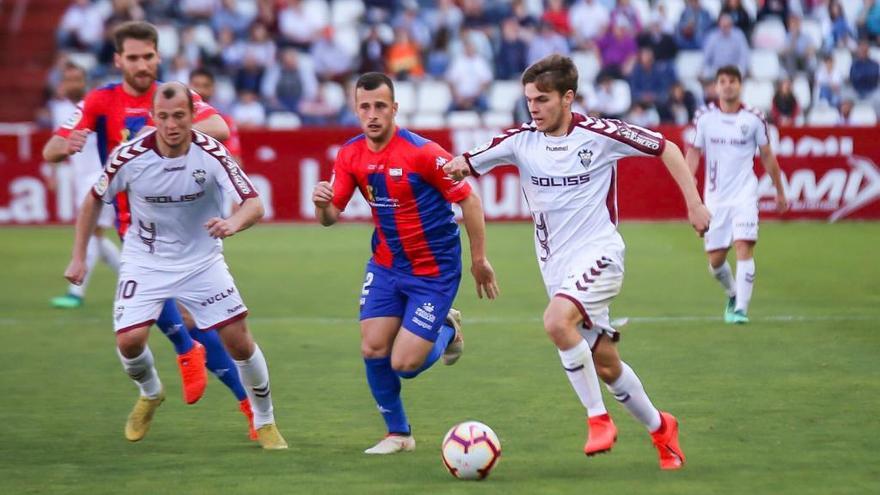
(385, 386)
(219, 361)
(171, 324)
(447, 333)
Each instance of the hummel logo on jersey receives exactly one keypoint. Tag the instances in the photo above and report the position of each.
(118, 313)
(586, 157)
(174, 169)
(557, 148)
(199, 176)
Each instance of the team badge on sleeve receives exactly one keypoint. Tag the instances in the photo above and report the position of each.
(441, 161)
(102, 184)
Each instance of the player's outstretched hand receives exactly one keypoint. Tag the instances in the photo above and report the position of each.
(220, 228)
(77, 140)
(484, 276)
(699, 217)
(457, 168)
(322, 194)
(781, 204)
(76, 272)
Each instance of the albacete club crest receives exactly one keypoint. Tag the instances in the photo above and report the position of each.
(744, 129)
(199, 175)
(586, 157)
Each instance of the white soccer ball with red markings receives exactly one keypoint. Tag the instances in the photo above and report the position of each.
(470, 450)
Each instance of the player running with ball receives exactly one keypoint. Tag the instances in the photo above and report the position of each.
(567, 165)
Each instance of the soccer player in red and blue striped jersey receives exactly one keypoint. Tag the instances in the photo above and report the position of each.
(406, 314)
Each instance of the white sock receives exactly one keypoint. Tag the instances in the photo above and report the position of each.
(724, 276)
(92, 253)
(581, 372)
(109, 253)
(254, 375)
(745, 280)
(628, 390)
(142, 370)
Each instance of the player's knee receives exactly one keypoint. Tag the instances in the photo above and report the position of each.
(557, 328)
(187, 317)
(371, 350)
(129, 346)
(405, 365)
(607, 373)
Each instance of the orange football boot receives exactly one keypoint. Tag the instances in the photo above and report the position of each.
(193, 373)
(666, 441)
(601, 436)
(245, 407)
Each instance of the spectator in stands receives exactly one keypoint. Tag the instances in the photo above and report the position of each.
(474, 14)
(649, 81)
(845, 111)
(445, 15)
(510, 60)
(82, 26)
(773, 8)
(644, 115)
(404, 57)
(249, 77)
(260, 46)
(625, 10)
(438, 58)
(661, 43)
(739, 14)
(231, 50)
(319, 111)
(331, 60)
(709, 93)
(869, 20)
(267, 14)
(799, 52)
(227, 16)
(124, 11)
(289, 82)
(179, 69)
(604, 102)
(523, 16)
(679, 107)
(546, 42)
(374, 51)
(838, 32)
(693, 26)
(469, 77)
(725, 45)
(409, 19)
(248, 112)
(480, 40)
(195, 11)
(556, 15)
(864, 73)
(785, 108)
(299, 26)
(829, 81)
(588, 20)
(618, 49)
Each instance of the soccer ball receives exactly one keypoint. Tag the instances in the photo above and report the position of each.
(470, 450)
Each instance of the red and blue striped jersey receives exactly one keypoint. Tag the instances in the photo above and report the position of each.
(410, 198)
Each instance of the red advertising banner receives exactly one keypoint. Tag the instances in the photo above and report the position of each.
(830, 174)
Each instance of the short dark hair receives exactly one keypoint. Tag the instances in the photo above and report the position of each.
(372, 80)
(76, 67)
(137, 30)
(552, 73)
(170, 91)
(203, 72)
(729, 70)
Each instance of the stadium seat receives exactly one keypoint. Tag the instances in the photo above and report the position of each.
(621, 96)
(333, 94)
(823, 115)
(224, 92)
(86, 60)
(694, 86)
(463, 119)
(764, 65)
(169, 41)
(689, 64)
(588, 66)
(346, 12)
(672, 9)
(643, 10)
(843, 61)
(433, 96)
(405, 94)
(318, 9)
(800, 86)
(284, 120)
(428, 120)
(769, 34)
(751, 7)
(712, 6)
(498, 120)
(813, 29)
(852, 9)
(875, 53)
(758, 94)
(204, 37)
(402, 119)
(348, 39)
(247, 8)
(863, 114)
(503, 95)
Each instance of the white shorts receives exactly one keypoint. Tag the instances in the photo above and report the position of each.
(83, 188)
(208, 292)
(594, 280)
(731, 223)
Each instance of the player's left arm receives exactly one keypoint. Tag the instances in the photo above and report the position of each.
(475, 224)
(771, 165)
(249, 213)
(675, 163)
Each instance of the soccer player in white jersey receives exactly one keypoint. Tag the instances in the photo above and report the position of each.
(727, 133)
(567, 166)
(176, 179)
(86, 168)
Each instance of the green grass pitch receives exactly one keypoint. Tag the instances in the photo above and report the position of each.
(787, 404)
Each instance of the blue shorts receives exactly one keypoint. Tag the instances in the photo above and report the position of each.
(420, 302)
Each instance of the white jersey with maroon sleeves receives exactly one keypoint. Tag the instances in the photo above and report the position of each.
(172, 199)
(569, 183)
(729, 141)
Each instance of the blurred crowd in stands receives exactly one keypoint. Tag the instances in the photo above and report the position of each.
(287, 63)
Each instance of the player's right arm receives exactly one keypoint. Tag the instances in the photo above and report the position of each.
(330, 198)
(693, 159)
(322, 196)
(86, 222)
(499, 151)
(698, 214)
(71, 136)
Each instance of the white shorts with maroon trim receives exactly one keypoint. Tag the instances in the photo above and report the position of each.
(731, 223)
(208, 292)
(594, 280)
